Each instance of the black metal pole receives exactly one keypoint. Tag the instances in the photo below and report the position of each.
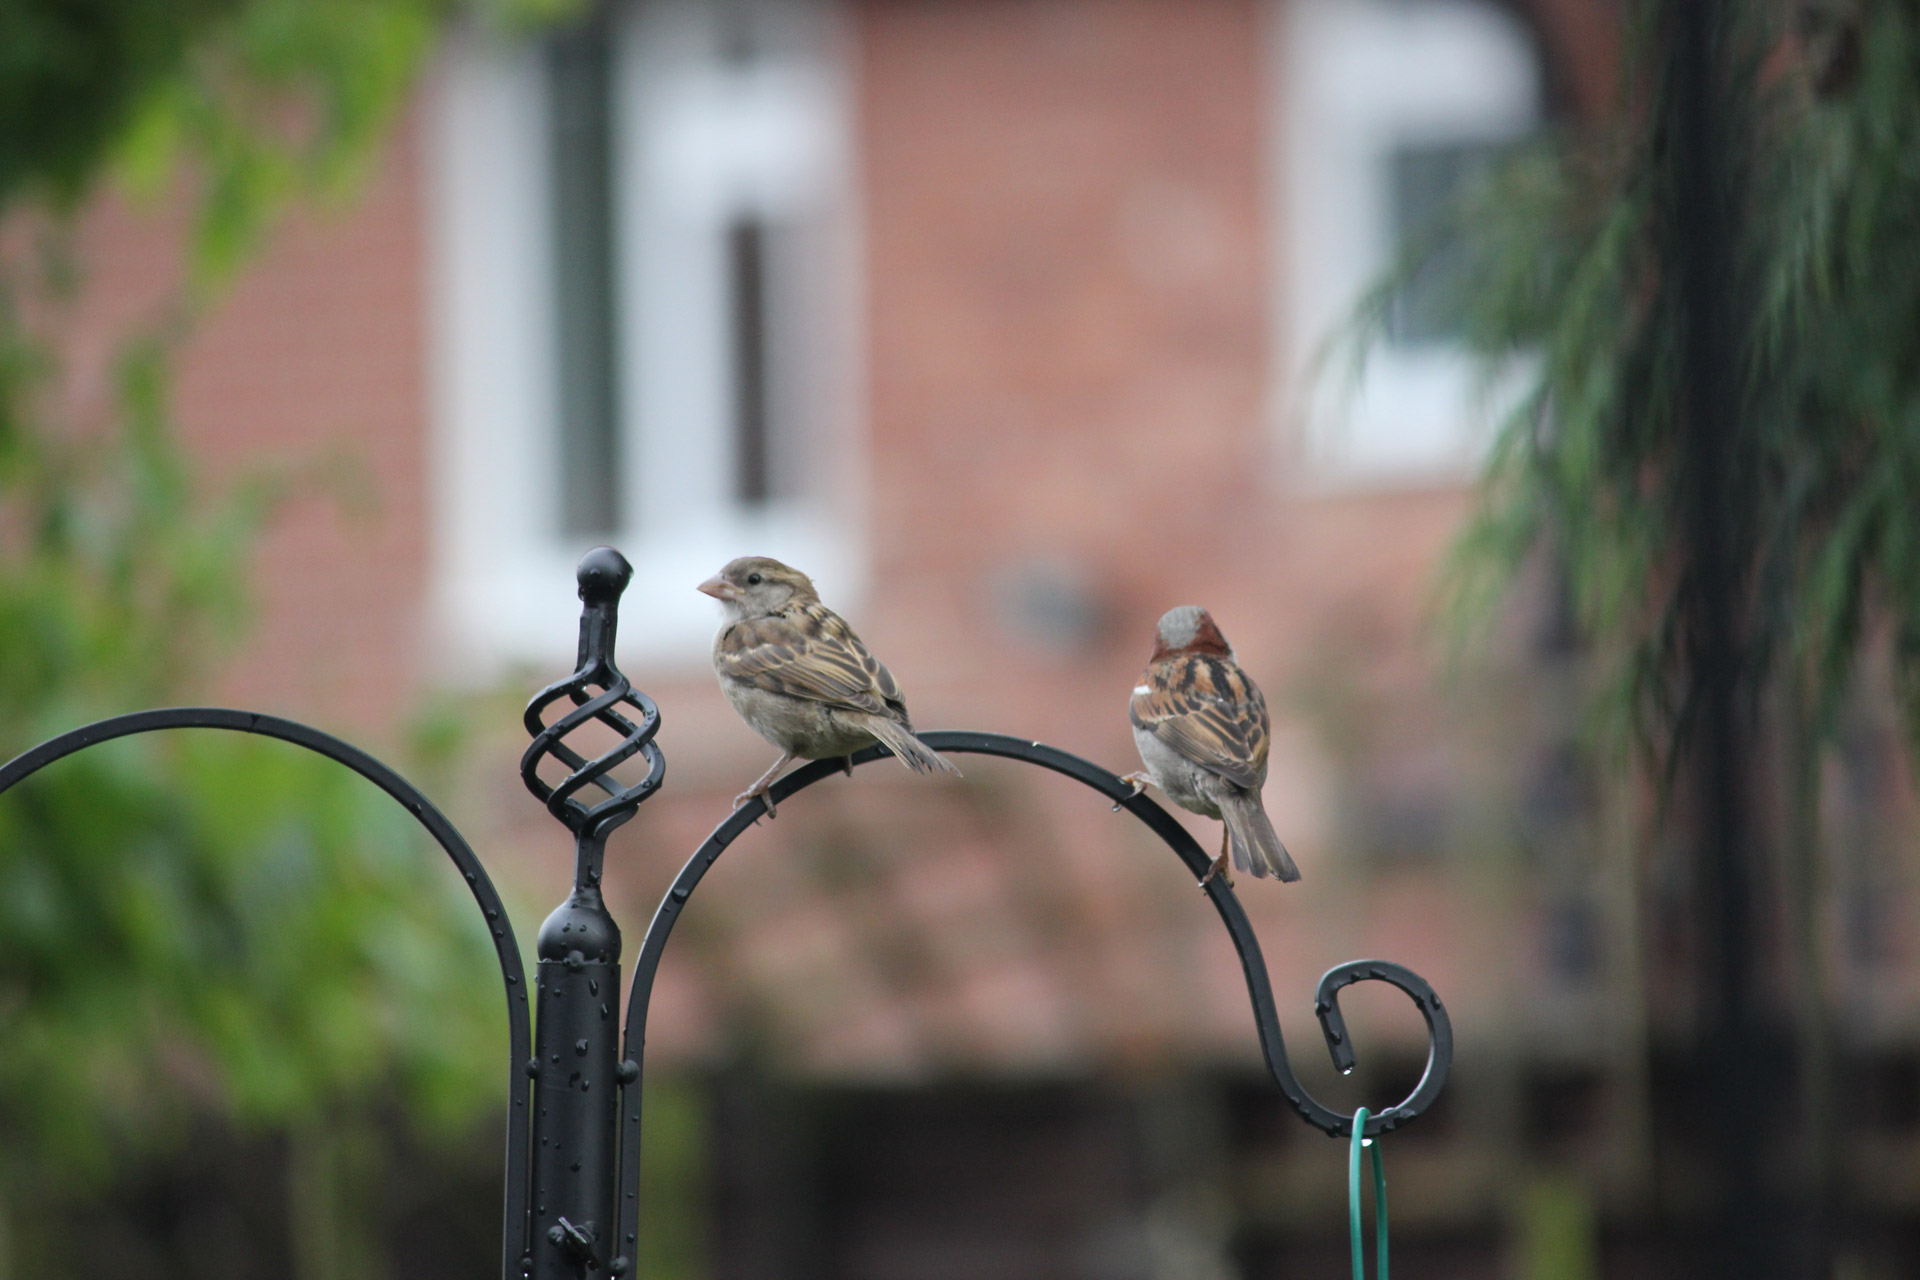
(576, 1062)
(1742, 1076)
(576, 1050)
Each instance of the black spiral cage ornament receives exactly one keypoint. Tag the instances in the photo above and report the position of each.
(597, 690)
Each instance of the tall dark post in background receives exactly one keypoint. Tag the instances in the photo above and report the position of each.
(1741, 1078)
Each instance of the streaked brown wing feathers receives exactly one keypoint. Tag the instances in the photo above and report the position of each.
(807, 652)
(1208, 711)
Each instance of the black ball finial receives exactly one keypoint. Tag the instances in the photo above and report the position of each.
(603, 574)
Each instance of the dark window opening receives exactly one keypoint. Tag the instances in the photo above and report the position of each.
(580, 75)
(1428, 183)
(741, 36)
(747, 296)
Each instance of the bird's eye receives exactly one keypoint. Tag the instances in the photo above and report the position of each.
(753, 579)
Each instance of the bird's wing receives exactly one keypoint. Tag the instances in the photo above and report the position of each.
(808, 651)
(1210, 712)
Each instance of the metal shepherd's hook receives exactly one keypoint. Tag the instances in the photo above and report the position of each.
(607, 677)
(576, 1065)
(573, 1134)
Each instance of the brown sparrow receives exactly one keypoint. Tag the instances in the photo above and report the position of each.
(1201, 726)
(800, 678)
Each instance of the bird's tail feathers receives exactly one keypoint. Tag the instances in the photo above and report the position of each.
(913, 753)
(1256, 847)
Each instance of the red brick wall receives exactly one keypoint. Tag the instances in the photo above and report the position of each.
(1067, 272)
(309, 367)
(315, 363)
(1065, 218)
(1068, 301)
(1067, 307)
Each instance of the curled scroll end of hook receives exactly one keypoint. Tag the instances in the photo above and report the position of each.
(1339, 1046)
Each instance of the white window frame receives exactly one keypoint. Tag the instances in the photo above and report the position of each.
(1355, 80)
(697, 141)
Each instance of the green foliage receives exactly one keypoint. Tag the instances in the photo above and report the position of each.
(1575, 263)
(674, 1171)
(260, 101)
(224, 923)
(113, 584)
(209, 923)
(73, 71)
(287, 97)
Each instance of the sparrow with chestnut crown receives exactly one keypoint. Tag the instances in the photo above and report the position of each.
(1201, 726)
(801, 678)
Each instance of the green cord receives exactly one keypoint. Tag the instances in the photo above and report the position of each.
(1379, 1199)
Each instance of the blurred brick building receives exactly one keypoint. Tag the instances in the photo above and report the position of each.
(1004, 318)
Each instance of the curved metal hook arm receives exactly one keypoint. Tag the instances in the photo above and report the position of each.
(506, 950)
(1259, 990)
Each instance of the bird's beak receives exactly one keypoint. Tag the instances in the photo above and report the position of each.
(720, 589)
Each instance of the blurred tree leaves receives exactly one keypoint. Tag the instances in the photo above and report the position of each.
(207, 923)
(218, 922)
(1583, 258)
(1572, 249)
(259, 100)
(73, 72)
